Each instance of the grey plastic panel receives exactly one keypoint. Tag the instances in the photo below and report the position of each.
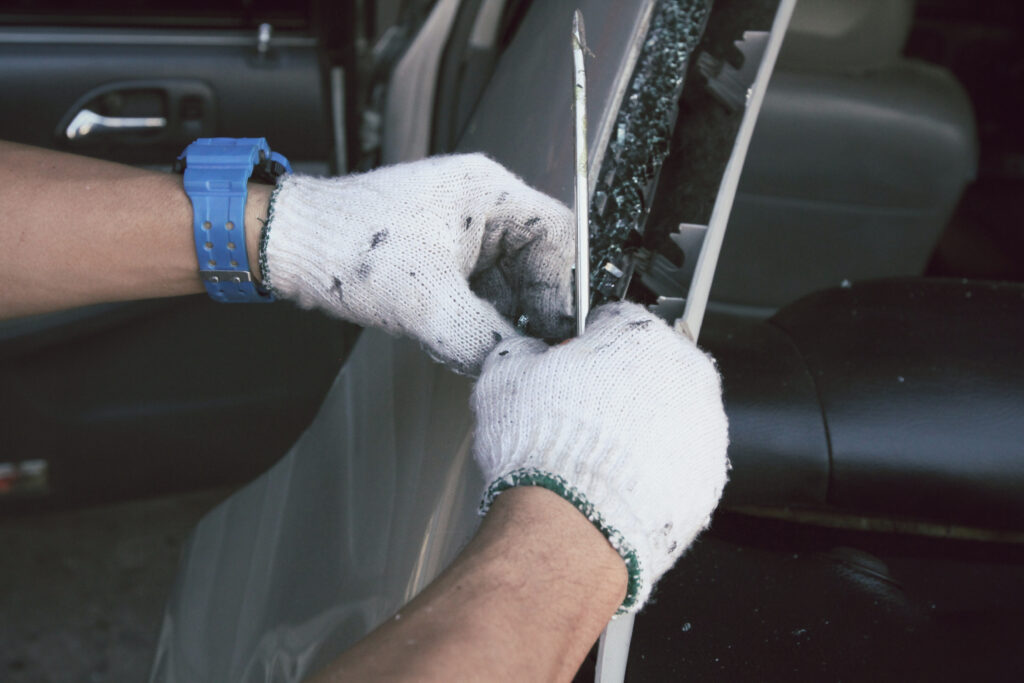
(127, 400)
(525, 115)
(409, 114)
(142, 399)
(370, 504)
(839, 35)
(848, 177)
(279, 97)
(900, 137)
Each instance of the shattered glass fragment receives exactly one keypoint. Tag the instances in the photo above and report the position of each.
(643, 131)
(613, 269)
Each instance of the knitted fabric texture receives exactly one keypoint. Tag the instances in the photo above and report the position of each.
(627, 419)
(447, 250)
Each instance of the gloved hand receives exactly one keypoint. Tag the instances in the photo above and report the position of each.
(409, 248)
(625, 422)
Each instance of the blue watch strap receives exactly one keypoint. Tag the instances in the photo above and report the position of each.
(217, 171)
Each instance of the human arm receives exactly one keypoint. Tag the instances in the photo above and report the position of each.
(626, 425)
(448, 250)
(524, 601)
(78, 231)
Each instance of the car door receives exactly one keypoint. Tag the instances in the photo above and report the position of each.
(132, 399)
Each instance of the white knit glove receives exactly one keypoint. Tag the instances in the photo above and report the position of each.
(625, 422)
(409, 248)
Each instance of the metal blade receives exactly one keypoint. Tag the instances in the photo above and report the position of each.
(582, 193)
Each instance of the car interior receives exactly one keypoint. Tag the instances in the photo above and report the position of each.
(867, 314)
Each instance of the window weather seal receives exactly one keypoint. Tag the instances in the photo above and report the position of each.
(149, 37)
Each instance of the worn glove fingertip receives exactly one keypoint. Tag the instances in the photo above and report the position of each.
(512, 348)
(623, 313)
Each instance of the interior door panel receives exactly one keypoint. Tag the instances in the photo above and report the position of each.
(210, 83)
(132, 399)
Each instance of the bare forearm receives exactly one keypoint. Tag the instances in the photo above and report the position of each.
(524, 601)
(78, 231)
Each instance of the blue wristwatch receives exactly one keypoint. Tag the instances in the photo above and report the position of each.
(217, 171)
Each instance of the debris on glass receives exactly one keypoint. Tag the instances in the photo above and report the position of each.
(640, 141)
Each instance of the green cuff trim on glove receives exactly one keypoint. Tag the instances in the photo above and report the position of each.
(264, 240)
(553, 482)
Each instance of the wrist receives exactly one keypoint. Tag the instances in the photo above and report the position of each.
(550, 534)
(557, 569)
(257, 210)
(592, 504)
(537, 580)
